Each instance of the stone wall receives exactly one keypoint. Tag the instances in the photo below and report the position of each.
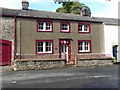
(7, 30)
(94, 62)
(38, 64)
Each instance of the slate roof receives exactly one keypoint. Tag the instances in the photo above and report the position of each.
(55, 15)
(111, 21)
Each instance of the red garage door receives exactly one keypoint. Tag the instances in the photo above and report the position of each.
(5, 52)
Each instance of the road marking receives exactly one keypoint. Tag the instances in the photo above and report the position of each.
(102, 76)
(69, 74)
(13, 82)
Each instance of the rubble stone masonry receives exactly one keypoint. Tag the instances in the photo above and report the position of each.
(94, 62)
(7, 30)
(38, 64)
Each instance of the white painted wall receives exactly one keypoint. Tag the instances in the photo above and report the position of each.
(118, 43)
(111, 37)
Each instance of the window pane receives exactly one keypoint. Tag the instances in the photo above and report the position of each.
(80, 27)
(40, 25)
(40, 49)
(40, 46)
(48, 26)
(40, 43)
(48, 46)
(85, 28)
(86, 45)
(64, 26)
(81, 46)
(48, 49)
(65, 48)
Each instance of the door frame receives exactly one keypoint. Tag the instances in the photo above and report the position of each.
(115, 51)
(65, 41)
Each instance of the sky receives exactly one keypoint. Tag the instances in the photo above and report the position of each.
(99, 8)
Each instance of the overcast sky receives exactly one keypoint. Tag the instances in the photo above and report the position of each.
(99, 8)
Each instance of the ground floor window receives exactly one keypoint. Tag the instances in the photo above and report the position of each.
(44, 46)
(84, 46)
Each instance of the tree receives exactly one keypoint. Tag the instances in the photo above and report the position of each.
(73, 8)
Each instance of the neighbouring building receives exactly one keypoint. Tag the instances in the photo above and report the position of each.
(111, 37)
(111, 27)
(33, 34)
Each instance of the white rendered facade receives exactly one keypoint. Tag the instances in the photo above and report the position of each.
(111, 38)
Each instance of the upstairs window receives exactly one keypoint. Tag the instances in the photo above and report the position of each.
(44, 26)
(83, 28)
(84, 46)
(44, 47)
(65, 27)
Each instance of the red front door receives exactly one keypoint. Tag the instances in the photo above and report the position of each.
(65, 49)
(5, 52)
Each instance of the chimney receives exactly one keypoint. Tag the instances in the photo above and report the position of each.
(25, 4)
(84, 12)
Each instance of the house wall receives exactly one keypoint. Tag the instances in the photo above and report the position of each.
(7, 30)
(119, 32)
(111, 38)
(27, 35)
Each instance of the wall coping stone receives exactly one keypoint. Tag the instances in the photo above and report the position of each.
(54, 59)
(108, 58)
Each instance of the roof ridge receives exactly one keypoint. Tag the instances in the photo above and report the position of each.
(56, 15)
(45, 11)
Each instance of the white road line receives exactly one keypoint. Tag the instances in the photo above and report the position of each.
(102, 76)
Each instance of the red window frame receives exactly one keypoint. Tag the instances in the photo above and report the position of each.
(44, 41)
(45, 21)
(89, 46)
(84, 24)
(61, 27)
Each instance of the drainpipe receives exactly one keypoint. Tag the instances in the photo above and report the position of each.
(20, 39)
(14, 37)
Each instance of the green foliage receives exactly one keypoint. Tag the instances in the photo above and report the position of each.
(113, 58)
(73, 7)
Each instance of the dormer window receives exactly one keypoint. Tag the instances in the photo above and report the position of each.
(83, 28)
(44, 26)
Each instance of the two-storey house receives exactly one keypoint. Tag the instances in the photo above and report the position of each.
(30, 34)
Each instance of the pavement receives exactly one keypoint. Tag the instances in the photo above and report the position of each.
(68, 77)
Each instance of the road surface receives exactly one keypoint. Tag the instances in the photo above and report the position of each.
(68, 77)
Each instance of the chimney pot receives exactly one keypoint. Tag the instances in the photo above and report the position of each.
(25, 4)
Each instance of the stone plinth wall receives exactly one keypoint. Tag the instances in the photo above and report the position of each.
(38, 64)
(94, 62)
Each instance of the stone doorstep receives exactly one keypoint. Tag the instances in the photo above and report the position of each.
(71, 63)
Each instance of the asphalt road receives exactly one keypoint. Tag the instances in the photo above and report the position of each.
(69, 77)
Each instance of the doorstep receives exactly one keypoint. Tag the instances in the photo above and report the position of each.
(71, 63)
